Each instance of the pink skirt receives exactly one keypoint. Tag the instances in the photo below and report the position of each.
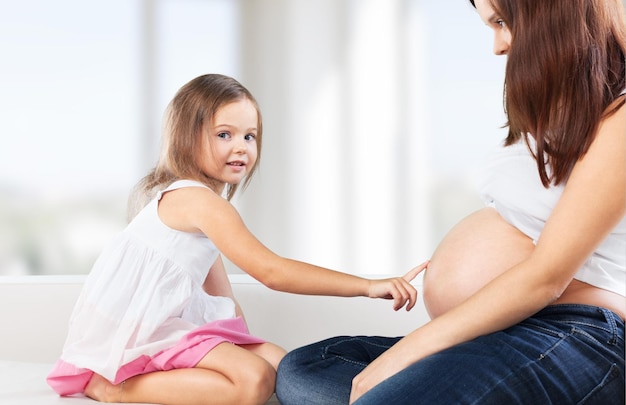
(67, 379)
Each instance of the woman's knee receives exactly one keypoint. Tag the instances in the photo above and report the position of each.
(295, 373)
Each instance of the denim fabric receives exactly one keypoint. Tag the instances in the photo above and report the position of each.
(565, 354)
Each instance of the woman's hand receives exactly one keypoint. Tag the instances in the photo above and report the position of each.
(398, 288)
(398, 357)
(371, 376)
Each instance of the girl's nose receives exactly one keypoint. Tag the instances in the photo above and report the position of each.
(240, 146)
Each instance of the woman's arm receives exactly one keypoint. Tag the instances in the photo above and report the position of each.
(592, 204)
(196, 209)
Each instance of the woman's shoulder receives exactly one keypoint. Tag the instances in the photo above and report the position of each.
(612, 127)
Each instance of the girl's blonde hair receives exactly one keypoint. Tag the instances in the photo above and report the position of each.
(193, 106)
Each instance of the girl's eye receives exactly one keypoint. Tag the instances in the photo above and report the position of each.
(250, 137)
(501, 23)
(223, 135)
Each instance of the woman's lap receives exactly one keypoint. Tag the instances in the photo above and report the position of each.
(322, 373)
(564, 354)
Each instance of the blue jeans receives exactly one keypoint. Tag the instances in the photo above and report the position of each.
(564, 354)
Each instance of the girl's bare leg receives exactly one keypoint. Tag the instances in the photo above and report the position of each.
(272, 353)
(228, 374)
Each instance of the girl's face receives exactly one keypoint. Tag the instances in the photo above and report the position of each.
(229, 147)
(502, 34)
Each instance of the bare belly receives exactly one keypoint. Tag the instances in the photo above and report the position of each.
(474, 252)
(478, 249)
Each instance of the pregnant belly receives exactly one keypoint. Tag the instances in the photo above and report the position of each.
(475, 251)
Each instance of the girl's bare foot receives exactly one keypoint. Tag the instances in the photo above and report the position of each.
(100, 389)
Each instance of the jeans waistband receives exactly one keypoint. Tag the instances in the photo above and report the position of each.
(592, 315)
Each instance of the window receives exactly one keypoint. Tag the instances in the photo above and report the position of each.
(370, 133)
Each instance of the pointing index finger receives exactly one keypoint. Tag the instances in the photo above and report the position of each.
(415, 271)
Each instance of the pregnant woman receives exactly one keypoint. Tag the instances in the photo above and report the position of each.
(526, 296)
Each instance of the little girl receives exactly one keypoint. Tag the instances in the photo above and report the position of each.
(156, 309)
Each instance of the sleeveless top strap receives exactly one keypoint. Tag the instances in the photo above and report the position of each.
(180, 184)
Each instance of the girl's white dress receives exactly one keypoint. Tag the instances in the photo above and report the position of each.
(143, 308)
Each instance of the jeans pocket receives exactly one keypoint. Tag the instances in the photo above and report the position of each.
(610, 388)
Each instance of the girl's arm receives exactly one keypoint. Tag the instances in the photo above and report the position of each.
(194, 209)
(218, 284)
(592, 204)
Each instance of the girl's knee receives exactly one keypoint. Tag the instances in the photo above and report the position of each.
(270, 352)
(257, 383)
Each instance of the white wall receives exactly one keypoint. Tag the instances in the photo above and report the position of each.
(375, 112)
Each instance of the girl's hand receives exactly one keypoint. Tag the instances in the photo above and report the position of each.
(398, 288)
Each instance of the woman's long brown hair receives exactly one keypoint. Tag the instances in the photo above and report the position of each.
(566, 68)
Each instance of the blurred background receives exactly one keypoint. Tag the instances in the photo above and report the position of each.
(376, 114)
